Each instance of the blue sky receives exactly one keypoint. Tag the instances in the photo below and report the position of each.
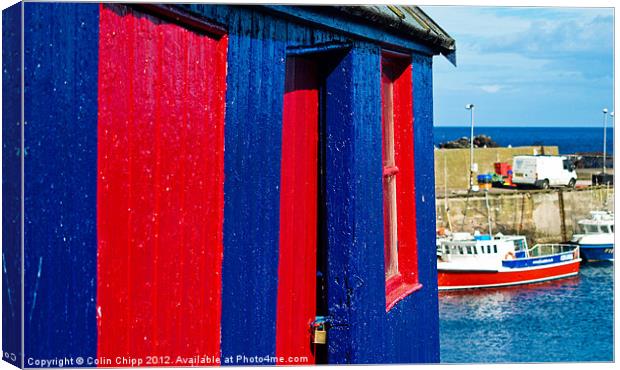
(525, 66)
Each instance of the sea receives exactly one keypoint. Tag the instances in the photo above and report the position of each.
(569, 320)
(569, 140)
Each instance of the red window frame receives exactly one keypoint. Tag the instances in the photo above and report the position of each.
(401, 257)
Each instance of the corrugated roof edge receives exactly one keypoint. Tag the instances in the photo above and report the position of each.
(410, 20)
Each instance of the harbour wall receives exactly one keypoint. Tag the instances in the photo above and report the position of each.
(536, 214)
(452, 165)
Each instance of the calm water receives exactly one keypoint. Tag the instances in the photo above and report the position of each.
(568, 139)
(563, 320)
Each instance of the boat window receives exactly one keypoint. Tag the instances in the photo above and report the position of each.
(604, 228)
(495, 249)
(488, 249)
(591, 228)
(612, 228)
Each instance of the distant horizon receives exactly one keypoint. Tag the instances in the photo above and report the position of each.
(609, 126)
(568, 139)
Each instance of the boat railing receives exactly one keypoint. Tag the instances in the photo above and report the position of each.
(550, 249)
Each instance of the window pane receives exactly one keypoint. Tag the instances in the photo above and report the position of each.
(389, 181)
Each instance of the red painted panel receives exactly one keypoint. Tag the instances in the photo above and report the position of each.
(397, 71)
(160, 187)
(468, 278)
(403, 148)
(296, 307)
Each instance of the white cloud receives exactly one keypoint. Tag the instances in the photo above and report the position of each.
(492, 89)
(537, 58)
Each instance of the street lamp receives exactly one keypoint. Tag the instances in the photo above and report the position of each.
(604, 138)
(470, 108)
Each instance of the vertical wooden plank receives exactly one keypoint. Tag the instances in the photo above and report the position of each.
(427, 319)
(161, 187)
(298, 211)
(114, 185)
(11, 184)
(252, 197)
(339, 130)
(61, 58)
(367, 273)
(356, 276)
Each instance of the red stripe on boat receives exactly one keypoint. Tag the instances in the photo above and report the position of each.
(479, 279)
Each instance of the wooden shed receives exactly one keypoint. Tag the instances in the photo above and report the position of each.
(213, 184)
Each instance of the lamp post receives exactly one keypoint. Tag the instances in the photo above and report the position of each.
(611, 116)
(604, 139)
(470, 108)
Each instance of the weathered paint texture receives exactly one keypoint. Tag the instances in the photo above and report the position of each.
(11, 185)
(160, 187)
(61, 43)
(297, 274)
(127, 211)
(256, 70)
(356, 289)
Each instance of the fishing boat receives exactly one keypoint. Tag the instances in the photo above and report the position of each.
(596, 240)
(466, 261)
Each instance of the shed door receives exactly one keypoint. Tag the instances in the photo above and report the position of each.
(160, 187)
(296, 307)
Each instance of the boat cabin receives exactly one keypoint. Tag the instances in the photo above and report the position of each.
(598, 223)
(481, 250)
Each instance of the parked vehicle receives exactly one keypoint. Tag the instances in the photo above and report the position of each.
(543, 171)
(466, 261)
(596, 240)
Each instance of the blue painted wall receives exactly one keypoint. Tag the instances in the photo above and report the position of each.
(11, 185)
(61, 165)
(361, 332)
(61, 52)
(255, 87)
(356, 278)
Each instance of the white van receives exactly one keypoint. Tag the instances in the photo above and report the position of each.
(543, 171)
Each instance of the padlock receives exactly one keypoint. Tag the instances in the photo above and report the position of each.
(319, 335)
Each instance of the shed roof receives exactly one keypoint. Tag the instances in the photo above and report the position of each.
(406, 19)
